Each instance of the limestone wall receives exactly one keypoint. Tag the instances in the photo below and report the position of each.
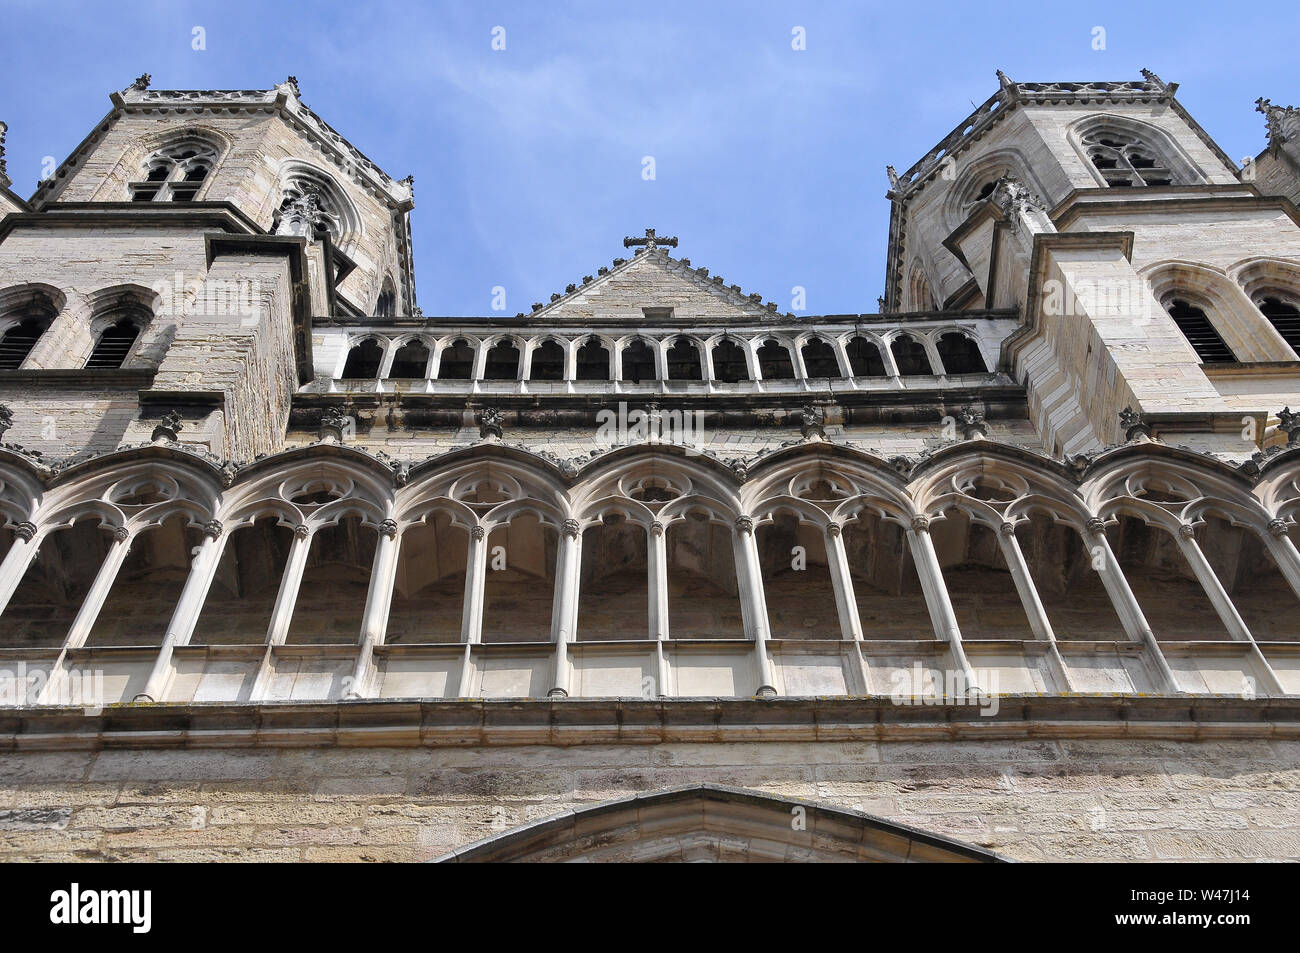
(1044, 799)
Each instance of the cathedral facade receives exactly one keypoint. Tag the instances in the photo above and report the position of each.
(655, 570)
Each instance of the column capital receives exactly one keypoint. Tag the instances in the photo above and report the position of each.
(1008, 528)
(477, 533)
(301, 531)
(121, 534)
(1095, 525)
(920, 524)
(833, 529)
(26, 530)
(745, 524)
(657, 528)
(1277, 527)
(388, 528)
(571, 528)
(213, 529)
(1187, 531)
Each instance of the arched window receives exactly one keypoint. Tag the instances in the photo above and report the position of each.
(729, 365)
(548, 362)
(363, 360)
(819, 359)
(411, 362)
(593, 361)
(1285, 316)
(909, 355)
(502, 362)
(457, 361)
(774, 362)
(960, 354)
(638, 362)
(175, 172)
(1124, 160)
(313, 206)
(922, 298)
(1200, 333)
(114, 343)
(684, 361)
(24, 328)
(865, 359)
(386, 303)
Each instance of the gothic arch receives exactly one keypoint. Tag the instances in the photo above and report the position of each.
(709, 822)
(1185, 171)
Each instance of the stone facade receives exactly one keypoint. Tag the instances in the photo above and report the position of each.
(291, 571)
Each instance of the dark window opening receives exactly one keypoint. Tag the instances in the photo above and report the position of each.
(684, 361)
(18, 342)
(729, 364)
(960, 354)
(411, 362)
(865, 359)
(1200, 333)
(909, 355)
(363, 360)
(593, 362)
(819, 359)
(114, 344)
(1284, 316)
(774, 362)
(548, 362)
(638, 363)
(142, 194)
(457, 362)
(502, 362)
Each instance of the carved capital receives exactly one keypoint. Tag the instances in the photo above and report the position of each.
(6, 419)
(1277, 527)
(920, 524)
(1095, 525)
(571, 528)
(478, 533)
(169, 428)
(1133, 424)
(744, 524)
(121, 534)
(1187, 531)
(657, 528)
(388, 528)
(302, 531)
(1289, 424)
(1008, 529)
(489, 422)
(26, 530)
(212, 529)
(833, 529)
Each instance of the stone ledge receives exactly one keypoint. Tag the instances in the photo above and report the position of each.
(472, 722)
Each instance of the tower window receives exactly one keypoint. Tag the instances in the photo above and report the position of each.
(114, 344)
(386, 303)
(819, 359)
(865, 359)
(502, 362)
(638, 362)
(909, 355)
(960, 354)
(175, 173)
(1200, 333)
(457, 362)
(19, 340)
(1285, 316)
(411, 362)
(548, 362)
(1125, 161)
(593, 361)
(684, 361)
(774, 362)
(729, 362)
(363, 360)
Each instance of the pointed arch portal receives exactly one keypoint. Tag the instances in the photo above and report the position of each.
(707, 823)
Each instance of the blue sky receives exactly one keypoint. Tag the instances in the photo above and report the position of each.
(769, 162)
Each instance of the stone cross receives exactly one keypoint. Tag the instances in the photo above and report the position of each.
(651, 240)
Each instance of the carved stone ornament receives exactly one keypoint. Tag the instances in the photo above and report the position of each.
(26, 530)
(971, 423)
(1187, 531)
(1133, 424)
(212, 529)
(478, 533)
(388, 528)
(745, 524)
(489, 422)
(1277, 527)
(657, 528)
(1009, 529)
(6, 419)
(1095, 525)
(121, 534)
(302, 531)
(833, 529)
(1290, 425)
(811, 423)
(169, 427)
(651, 240)
(571, 528)
(334, 423)
(920, 524)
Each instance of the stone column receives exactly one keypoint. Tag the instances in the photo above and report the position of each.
(26, 544)
(1039, 623)
(203, 569)
(374, 620)
(749, 576)
(564, 618)
(846, 602)
(1227, 612)
(282, 614)
(1125, 603)
(1279, 543)
(942, 615)
(658, 592)
(471, 621)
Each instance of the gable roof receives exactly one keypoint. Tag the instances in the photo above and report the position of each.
(652, 278)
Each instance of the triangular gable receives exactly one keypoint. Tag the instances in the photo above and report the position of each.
(652, 279)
